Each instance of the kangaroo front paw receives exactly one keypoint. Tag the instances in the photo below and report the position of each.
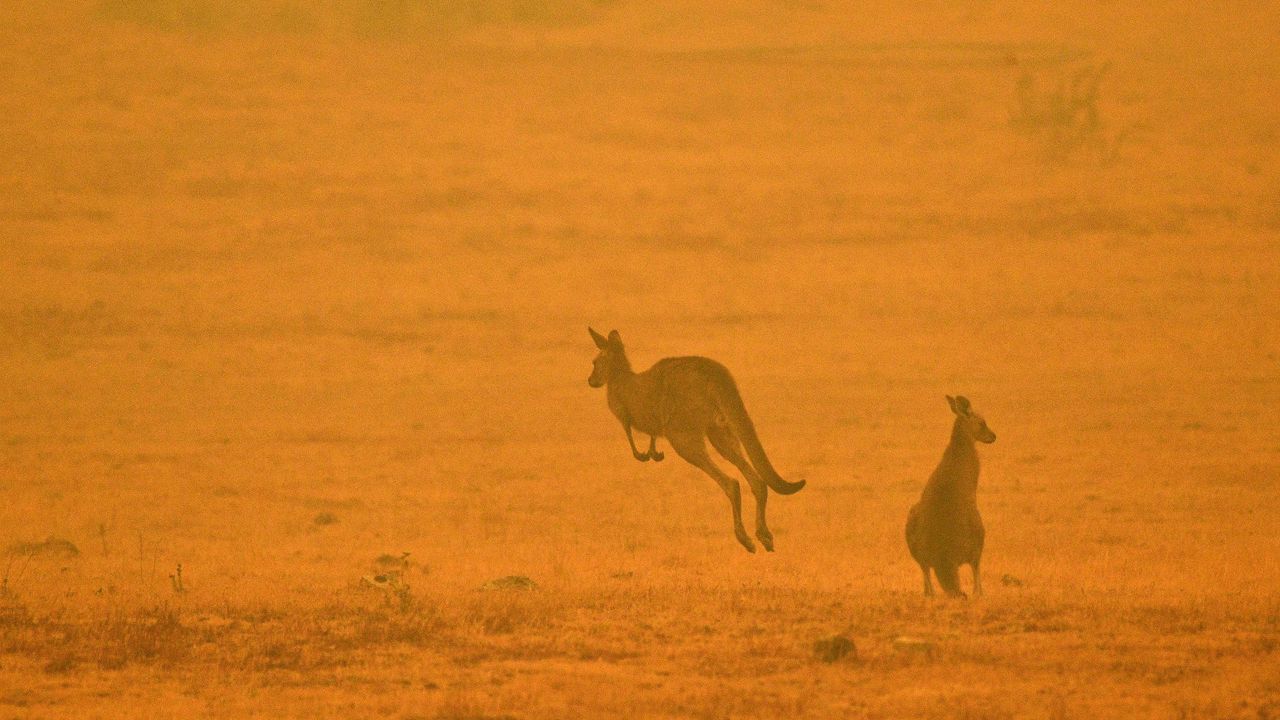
(656, 456)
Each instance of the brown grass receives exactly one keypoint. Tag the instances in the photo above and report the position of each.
(288, 293)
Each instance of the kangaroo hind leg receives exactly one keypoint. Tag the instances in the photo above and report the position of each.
(653, 453)
(693, 448)
(727, 445)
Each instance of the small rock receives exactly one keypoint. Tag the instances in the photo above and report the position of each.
(381, 582)
(915, 646)
(326, 518)
(510, 582)
(1010, 581)
(392, 587)
(56, 547)
(386, 560)
(831, 649)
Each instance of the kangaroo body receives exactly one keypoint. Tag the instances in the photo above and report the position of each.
(688, 401)
(944, 530)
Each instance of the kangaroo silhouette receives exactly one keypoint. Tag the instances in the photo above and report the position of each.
(944, 530)
(689, 400)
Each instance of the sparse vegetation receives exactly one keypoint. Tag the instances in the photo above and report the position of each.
(549, 639)
(1061, 111)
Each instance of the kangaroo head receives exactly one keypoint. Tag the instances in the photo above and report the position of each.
(611, 356)
(969, 422)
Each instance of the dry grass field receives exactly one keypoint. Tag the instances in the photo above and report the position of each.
(287, 293)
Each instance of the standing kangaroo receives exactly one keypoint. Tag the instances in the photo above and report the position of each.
(690, 400)
(944, 529)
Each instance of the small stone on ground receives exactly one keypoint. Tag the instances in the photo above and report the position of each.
(831, 649)
(510, 582)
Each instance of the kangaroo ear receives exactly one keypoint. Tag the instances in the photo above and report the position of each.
(598, 338)
(614, 337)
(959, 405)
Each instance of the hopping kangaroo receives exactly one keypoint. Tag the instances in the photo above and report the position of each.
(944, 529)
(689, 400)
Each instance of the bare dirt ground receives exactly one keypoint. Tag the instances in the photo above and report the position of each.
(285, 291)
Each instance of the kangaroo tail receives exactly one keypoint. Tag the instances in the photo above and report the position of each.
(736, 414)
(949, 579)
